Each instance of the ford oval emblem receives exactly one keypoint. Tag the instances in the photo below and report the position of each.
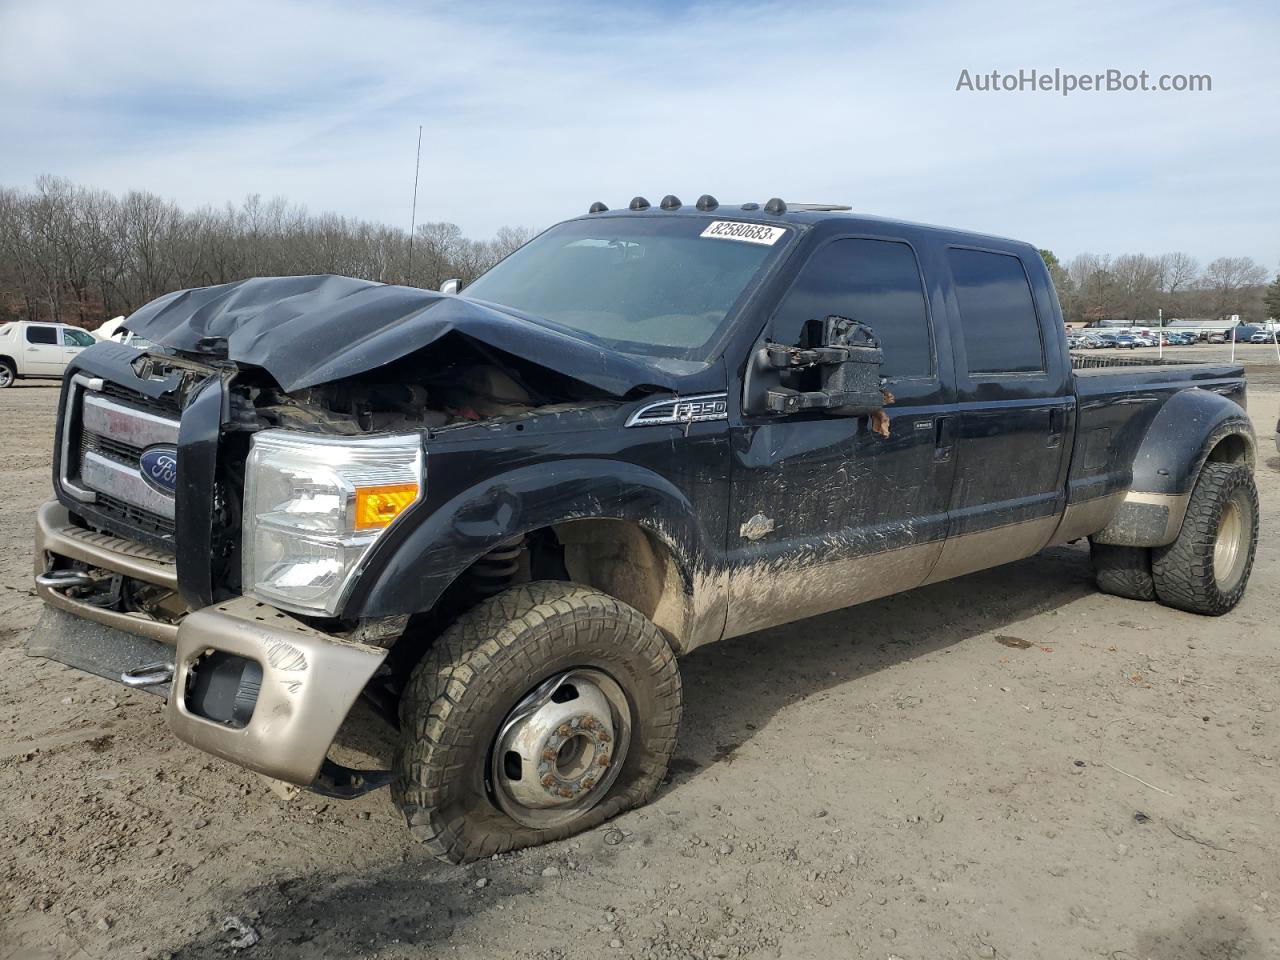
(159, 468)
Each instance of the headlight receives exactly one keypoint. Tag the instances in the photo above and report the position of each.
(313, 506)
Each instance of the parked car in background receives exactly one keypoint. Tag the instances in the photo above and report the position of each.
(38, 350)
(1127, 342)
(1218, 337)
(1262, 338)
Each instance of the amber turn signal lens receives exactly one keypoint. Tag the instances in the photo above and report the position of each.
(376, 507)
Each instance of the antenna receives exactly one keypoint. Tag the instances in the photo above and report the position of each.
(413, 216)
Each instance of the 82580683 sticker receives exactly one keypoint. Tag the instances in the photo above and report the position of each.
(746, 232)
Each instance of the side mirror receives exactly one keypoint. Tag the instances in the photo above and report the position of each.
(839, 375)
(451, 286)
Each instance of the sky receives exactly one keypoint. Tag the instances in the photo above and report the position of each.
(531, 111)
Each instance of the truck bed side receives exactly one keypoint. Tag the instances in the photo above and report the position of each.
(1135, 442)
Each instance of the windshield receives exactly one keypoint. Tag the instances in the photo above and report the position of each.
(660, 286)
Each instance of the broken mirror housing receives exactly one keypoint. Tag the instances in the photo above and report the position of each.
(846, 362)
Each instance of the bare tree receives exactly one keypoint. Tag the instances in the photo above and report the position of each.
(1228, 279)
(80, 255)
(1177, 271)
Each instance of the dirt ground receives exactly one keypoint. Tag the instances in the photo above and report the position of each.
(1007, 765)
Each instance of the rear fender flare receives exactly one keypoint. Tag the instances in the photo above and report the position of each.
(1183, 435)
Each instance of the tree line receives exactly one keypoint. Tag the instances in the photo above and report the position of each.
(77, 255)
(1132, 287)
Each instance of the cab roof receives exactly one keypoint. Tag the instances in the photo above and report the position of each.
(780, 213)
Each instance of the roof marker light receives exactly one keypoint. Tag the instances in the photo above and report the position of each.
(670, 202)
(775, 205)
(597, 207)
(707, 202)
(751, 205)
(639, 203)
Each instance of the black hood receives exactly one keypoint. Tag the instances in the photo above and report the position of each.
(306, 331)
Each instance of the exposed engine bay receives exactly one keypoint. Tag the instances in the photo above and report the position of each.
(467, 384)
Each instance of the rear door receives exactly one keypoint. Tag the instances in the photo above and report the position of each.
(825, 512)
(42, 351)
(1014, 412)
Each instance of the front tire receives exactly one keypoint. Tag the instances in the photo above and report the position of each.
(1207, 568)
(538, 714)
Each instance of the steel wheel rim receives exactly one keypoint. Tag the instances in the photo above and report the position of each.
(568, 751)
(1228, 546)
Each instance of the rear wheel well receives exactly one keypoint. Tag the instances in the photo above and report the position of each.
(1233, 448)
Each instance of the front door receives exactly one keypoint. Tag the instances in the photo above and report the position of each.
(825, 512)
(73, 341)
(1016, 403)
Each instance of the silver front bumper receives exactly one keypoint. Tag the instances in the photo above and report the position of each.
(310, 679)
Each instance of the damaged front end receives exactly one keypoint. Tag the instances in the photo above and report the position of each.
(218, 497)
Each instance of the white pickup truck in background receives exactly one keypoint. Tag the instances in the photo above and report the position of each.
(35, 350)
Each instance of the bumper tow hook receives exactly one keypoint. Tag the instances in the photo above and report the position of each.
(64, 579)
(148, 675)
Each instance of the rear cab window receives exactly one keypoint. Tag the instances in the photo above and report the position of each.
(999, 325)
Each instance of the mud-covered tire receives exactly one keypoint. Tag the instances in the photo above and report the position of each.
(7, 374)
(480, 668)
(1122, 571)
(1186, 573)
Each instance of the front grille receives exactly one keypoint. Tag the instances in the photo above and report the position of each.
(107, 428)
(167, 406)
(122, 452)
(135, 516)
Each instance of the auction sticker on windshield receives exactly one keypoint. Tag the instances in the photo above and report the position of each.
(746, 232)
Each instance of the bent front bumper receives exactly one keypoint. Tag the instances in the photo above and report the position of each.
(309, 681)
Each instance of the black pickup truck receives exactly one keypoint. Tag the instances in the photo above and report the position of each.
(500, 515)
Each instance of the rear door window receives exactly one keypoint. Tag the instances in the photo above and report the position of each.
(997, 314)
(42, 334)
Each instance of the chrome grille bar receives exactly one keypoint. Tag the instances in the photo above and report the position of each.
(124, 424)
(124, 482)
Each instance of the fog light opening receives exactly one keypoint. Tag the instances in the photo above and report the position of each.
(224, 688)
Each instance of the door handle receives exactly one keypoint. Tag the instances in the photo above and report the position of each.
(1057, 424)
(943, 438)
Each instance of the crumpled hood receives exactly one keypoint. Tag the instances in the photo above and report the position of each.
(306, 331)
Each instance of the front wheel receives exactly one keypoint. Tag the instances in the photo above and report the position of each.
(539, 713)
(1207, 568)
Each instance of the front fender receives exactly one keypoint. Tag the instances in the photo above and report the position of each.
(1176, 445)
(409, 572)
